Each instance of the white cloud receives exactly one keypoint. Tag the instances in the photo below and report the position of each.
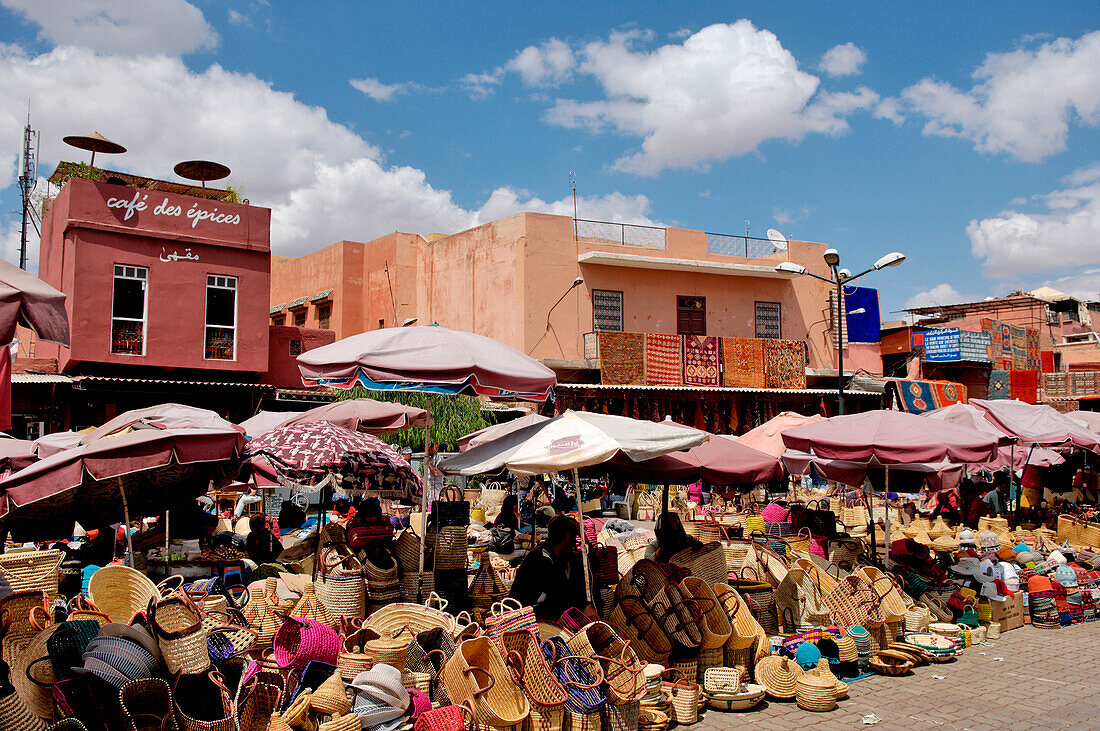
(548, 64)
(237, 18)
(941, 294)
(479, 86)
(1084, 284)
(322, 181)
(1023, 101)
(119, 26)
(784, 216)
(722, 92)
(1066, 235)
(890, 108)
(843, 60)
(376, 90)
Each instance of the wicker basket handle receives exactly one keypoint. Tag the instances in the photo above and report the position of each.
(34, 620)
(171, 584)
(475, 669)
(515, 663)
(154, 603)
(81, 603)
(450, 494)
(435, 601)
(597, 675)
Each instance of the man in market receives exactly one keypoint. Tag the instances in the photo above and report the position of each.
(261, 544)
(551, 578)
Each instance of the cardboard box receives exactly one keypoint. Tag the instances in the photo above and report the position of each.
(1010, 612)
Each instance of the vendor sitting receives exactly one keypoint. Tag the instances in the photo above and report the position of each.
(671, 539)
(551, 578)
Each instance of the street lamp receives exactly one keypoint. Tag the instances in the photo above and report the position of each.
(576, 283)
(839, 278)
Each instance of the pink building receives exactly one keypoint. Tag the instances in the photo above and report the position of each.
(505, 279)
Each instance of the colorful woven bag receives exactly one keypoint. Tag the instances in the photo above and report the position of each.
(302, 641)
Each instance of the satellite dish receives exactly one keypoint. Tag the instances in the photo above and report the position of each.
(778, 239)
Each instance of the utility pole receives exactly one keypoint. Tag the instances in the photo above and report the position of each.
(28, 180)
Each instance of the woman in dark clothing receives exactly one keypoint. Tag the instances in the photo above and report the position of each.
(671, 539)
(509, 514)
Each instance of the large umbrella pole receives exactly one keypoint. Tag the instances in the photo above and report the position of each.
(126, 517)
(871, 509)
(427, 481)
(886, 520)
(584, 543)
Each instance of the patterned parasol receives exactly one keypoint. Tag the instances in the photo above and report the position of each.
(316, 454)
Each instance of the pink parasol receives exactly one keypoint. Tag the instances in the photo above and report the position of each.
(364, 414)
(1016, 456)
(1088, 419)
(27, 300)
(1037, 424)
(148, 470)
(262, 422)
(496, 431)
(162, 416)
(15, 454)
(892, 437)
(432, 359)
(768, 437)
(907, 477)
(318, 454)
(720, 461)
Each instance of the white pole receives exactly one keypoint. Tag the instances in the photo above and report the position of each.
(427, 480)
(584, 543)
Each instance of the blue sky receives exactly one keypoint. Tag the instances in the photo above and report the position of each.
(965, 135)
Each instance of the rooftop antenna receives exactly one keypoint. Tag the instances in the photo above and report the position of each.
(28, 181)
(746, 228)
(573, 185)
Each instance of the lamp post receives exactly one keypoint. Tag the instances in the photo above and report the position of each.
(576, 283)
(839, 278)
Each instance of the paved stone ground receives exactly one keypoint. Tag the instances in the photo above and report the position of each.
(1046, 679)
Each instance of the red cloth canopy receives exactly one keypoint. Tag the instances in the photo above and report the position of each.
(157, 469)
(892, 437)
(768, 437)
(1037, 424)
(720, 461)
(363, 414)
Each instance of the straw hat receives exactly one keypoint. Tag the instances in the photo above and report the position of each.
(778, 675)
(945, 544)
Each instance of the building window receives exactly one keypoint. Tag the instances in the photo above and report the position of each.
(278, 320)
(128, 309)
(691, 315)
(769, 320)
(607, 310)
(295, 348)
(323, 315)
(221, 317)
(299, 318)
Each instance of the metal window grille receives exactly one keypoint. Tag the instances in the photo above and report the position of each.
(607, 306)
(769, 320)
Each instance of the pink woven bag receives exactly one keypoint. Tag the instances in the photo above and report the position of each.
(774, 513)
(301, 641)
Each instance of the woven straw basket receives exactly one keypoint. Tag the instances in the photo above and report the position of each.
(120, 592)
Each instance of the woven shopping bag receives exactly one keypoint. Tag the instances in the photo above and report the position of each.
(799, 600)
(580, 677)
(707, 562)
(203, 703)
(176, 623)
(509, 614)
(451, 509)
(633, 621)
(678, 614)
(622, 669)
(853, 602)
(760, 598)
(714, 628)
(523, 655)
(885, 588)
(340, 585)
(477, 674)
(428, 652)
(381, 579)
(302, 641)
(142, 701)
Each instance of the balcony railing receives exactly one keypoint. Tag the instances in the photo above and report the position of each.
(744, 246)
(627, 234)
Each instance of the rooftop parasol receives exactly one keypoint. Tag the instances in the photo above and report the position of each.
(95, 142)
(201, 170)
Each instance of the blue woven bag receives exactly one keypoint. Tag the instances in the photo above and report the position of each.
(581, 677)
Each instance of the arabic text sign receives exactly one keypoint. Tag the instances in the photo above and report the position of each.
(942, 345)
(176, 256)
